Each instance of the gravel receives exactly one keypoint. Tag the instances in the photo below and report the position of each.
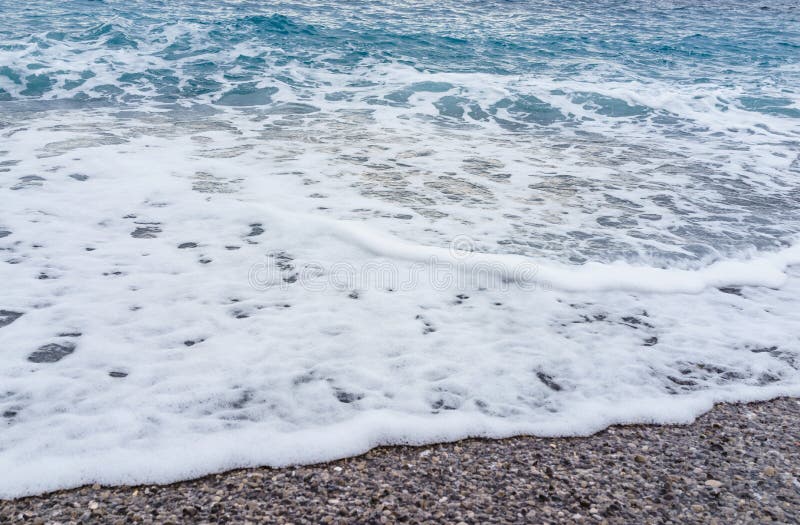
(737, 464)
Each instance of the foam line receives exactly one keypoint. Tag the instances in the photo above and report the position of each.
(244, 448)
(766, 269)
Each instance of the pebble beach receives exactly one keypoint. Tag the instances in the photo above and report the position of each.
(737, 464)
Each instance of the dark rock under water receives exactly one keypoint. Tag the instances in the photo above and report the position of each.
(52, 352)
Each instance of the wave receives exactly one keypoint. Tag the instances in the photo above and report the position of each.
(766, 270)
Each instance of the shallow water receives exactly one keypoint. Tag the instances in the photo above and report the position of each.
(237, 233)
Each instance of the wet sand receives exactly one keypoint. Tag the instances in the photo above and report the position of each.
(736, 464)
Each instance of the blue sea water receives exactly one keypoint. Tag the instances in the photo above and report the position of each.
(675, 73)
(238, 233)
(185, 52)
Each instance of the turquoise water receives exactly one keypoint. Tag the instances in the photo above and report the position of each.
(702, 95)
(90, 52)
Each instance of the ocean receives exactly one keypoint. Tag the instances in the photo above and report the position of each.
(238, 233)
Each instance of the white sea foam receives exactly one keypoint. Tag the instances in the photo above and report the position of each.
(227, 367)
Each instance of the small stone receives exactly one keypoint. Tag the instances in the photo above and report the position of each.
(51, 353)
(28, 181)
(93, 505)
(185, 245)
(638, 458)
(79, 176)
(117, 374)
(713, 483)
(697, 508)
(146, 232)
(7, 317)
(255, 230)
(770, 471)
(347, 397)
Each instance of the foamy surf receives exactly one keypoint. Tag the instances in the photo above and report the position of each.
(767, 270)
(234, 240)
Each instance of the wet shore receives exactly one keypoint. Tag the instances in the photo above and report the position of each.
(736, 464)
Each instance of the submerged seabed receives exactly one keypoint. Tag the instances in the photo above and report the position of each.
(242, 233)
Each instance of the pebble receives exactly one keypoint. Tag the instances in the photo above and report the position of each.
(51, 353)
(7, 317)
(146, 232)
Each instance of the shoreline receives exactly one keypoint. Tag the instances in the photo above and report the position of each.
(737, 463)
